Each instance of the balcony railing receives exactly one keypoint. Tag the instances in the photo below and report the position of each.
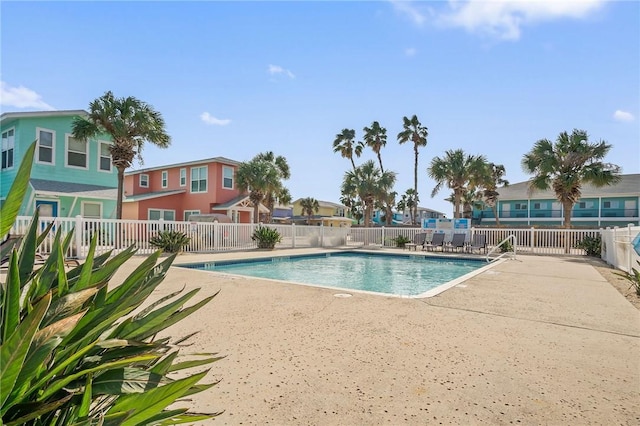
(557, 213)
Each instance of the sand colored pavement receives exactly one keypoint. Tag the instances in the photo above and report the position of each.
(537, 340)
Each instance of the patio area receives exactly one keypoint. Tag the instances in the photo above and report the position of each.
(538, 340)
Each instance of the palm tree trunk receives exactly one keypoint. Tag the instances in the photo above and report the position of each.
(256, 213)
(456, 203)
(120, 192)
(567, 206)
(415, 183)
(495, 213)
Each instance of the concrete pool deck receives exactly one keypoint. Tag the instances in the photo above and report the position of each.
(538, 340)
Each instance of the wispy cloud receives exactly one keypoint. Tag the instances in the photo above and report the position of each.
(276, 69)
(210, 119)
(409, 10)
(504, 19)
(21, 97)
(410, 51)
(620, 115)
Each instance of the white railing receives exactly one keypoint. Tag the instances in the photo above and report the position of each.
(217, 237)
(506, 253)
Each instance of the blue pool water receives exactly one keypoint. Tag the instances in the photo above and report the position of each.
(404, 275)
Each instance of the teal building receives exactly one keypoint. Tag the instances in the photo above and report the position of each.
(69, 177)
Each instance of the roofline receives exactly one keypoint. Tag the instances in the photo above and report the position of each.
(152, 195)
(30, 114)
(222, 160)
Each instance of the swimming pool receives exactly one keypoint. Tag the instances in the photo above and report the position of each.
(391, 274)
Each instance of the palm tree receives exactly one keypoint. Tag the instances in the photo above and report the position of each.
(130, 123)
(354, 205)
(415, 132)
(566, 165)
(258, 177)
(460, 172)
(493, 179)
(370, 184)
(408, 200)
(309, 206)
(347, 147)
(277, 192)
(375, 137)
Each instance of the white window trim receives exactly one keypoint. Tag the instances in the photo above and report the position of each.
(161, 213)
(233, 181)
(83, 203)
(206, 174)
(53, 146)
(164, 179)
(184, 169)
(66, 154)
(140, 180)
(184, 214)
(13, 148)
(100, 143)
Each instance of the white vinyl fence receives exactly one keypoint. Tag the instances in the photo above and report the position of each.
(113, 234)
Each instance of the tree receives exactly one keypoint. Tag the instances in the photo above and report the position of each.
(566, 165)
(407, 201)
(130, 123)
(460, 172)
(416, 133)
(346, 145)
(258, 177)
(354, 205)
(370, 184)
(277, 192)
(493, 179)
(375, 137)
(309, 206)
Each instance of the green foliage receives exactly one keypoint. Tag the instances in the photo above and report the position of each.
(266, 237)
(72, 352)
(170, 241)
(633, 278)
(506, 246)
(591, 245)
(401, 240)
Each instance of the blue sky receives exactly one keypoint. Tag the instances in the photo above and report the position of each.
(234, 79)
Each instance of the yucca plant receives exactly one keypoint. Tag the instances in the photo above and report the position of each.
(633, 277)
(74, 352)
(170, 241)
(266, 237)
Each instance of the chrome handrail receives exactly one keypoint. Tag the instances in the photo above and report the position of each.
(511, 254)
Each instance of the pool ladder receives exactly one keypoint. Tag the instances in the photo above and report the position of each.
(510, 253)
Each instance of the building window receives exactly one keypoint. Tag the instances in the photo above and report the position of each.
(165, 178)
(183, 177)
(144, 181)
(157, 214)
(8, 144)
(520, 206)
(46, 146)
(582, 205)
(227, 177)
(199, 179)
(91, 210)
(188, 213)
(104, 159)
(76, 152)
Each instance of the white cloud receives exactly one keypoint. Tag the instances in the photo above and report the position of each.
(210, 119)
(408, 9)
(276, 69)
(504, 19)
(21, 97)
(620, 115)
(410, 51)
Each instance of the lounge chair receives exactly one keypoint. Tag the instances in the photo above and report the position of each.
(479, 242)
(436, 241)
(418, 240)
(457, 243)
(7, 246)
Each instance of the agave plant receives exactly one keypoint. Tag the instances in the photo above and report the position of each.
(74, 352)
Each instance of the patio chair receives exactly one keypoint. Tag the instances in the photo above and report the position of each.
(7, 246)
(418, 240)
(479, 242)
(436, 241)
(457, 243)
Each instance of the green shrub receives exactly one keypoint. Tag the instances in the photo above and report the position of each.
(634, 278)
(401, 240)
(266, 237)
(170, 241)
(591, 245)
(73, 353)
(506, 246)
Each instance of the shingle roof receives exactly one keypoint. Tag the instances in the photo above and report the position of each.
(150, 195)
(29, 114)
(93, 191)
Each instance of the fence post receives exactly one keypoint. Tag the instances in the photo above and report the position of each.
(216, 235)
(321, 234)
(78, 237)
(161, 224)
(628, 248)
(531, 239)
(293, 235)
(382, 234)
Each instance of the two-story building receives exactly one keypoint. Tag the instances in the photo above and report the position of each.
(404, 218)
(69, 177)
(176, 191)
(615, 205)
(328, 214)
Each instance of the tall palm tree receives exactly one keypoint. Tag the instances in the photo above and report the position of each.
(309, 206)
(370, 184)
(130, 123)
(566, 165)
(416, 133)
(458, 171)
(346, 145)
(258, 177)
(277, 192)
(407, 201)
(375, 137)
(493, 179)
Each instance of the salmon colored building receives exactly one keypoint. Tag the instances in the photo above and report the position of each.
(177, 191)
